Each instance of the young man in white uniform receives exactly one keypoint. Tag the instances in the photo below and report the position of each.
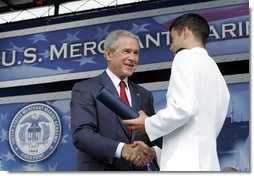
(197, 102)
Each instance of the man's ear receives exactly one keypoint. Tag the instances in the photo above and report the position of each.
(186, 32)
(107, 54)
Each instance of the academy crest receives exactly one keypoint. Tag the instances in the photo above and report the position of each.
(35, 132)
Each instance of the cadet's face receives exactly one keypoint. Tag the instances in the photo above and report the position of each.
(176, 41)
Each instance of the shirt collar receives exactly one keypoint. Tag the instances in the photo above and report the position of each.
(115, 79)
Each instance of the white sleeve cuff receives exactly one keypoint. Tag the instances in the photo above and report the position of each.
(119, 150)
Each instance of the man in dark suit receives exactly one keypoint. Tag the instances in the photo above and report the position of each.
(103, 142)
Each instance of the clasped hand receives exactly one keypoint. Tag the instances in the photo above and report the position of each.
(138, 153)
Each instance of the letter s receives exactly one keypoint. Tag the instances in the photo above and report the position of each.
(30, 56)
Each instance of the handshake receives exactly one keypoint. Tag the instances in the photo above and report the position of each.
(138, 153)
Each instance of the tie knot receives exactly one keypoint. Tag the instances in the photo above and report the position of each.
(122, 84)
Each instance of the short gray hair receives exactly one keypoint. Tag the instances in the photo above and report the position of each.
(111, 41)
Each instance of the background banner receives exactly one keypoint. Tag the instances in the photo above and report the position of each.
(80, 49)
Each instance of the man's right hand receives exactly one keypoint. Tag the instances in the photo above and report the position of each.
(137, 153)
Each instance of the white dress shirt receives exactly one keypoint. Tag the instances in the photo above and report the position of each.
(116, 82)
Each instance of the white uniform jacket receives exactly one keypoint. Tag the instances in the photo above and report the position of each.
(197, 104)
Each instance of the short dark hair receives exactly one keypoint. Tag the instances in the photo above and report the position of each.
(196, 23)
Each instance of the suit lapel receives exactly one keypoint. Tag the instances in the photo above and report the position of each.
(135, 96)
(136, 100)
(105, 81)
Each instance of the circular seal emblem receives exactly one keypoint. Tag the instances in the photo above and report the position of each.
(35, 132)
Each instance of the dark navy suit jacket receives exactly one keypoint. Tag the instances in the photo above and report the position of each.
(97, 131)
